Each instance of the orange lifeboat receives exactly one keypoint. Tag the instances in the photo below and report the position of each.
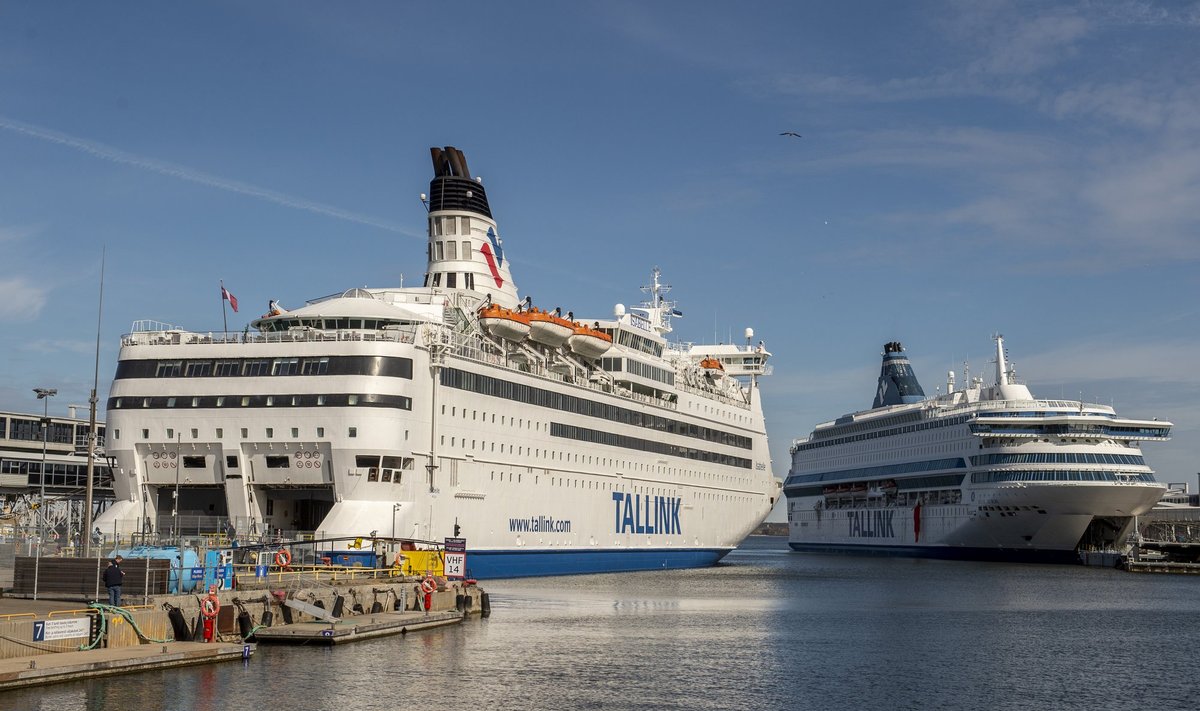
(549, 329)
(713, 368)
(504, 323)
(588, 342)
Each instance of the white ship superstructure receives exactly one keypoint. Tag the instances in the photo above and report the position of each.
(980, 472)
(552, 444)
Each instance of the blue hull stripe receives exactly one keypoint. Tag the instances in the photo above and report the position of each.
(1014, 555)
(490, 564)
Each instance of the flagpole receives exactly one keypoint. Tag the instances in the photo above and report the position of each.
(224, 323)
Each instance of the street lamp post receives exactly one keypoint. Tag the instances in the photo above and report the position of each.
(42, 394)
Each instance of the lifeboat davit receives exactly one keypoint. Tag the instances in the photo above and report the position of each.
(588, 342)
(549, 329)
(504, 323)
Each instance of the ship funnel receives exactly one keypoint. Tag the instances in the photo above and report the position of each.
(465, 249)
(897, 383)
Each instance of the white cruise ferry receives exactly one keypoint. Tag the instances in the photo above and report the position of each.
(552, 444)
(983, 472)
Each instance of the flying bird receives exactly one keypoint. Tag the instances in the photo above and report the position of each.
(791, 133)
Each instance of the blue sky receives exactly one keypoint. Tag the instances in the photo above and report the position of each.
(965, 168)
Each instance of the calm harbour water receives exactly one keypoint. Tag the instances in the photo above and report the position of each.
(766, 629)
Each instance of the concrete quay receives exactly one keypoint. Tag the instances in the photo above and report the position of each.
(41, 640)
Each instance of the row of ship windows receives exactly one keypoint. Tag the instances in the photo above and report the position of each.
(385, 366)
(399, 402)
(870, 424)
(947, 422)
(451, 280)
(610, 439)
(577, 458)
(880, 472)
(1060, 430)
(495, 387)
(245, 434)
(1058, 475)
(1058, 458)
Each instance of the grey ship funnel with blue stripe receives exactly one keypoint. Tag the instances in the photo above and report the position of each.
(897, 383)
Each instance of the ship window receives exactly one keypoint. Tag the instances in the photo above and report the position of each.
(270, 432)
(245, 402)
(469, 280)
(285, 366)
(145, 434)
(245, 433)
(466, 225)
(320, 399)
(220, 433)
(450, 227)
(278, 461)
(168, 369)
(220, 401)
(270, 400)
(320, 431)
(170, 433)
(314, 366)
(199, 369)
(451, 281)
(194, 463)
(373, 474)
(195, 433)
(353, 432)
(440, 251)
(231, 461)
(295, 432)
(351, 399)
(117, 434)
(426, 282)
(387, 475)
(437, 279)
(466, 249)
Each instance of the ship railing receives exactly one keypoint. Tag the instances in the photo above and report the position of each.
(712, 394)
(305, 335)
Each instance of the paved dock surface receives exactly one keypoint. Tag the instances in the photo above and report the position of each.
(358, 628)
(73, 666)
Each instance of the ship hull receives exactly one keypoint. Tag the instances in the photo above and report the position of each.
(1042, 523)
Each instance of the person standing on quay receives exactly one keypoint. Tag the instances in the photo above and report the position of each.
(113, 577)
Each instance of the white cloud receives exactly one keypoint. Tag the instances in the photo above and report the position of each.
(21, 299)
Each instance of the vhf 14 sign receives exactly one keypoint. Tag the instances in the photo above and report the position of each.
(454, 560)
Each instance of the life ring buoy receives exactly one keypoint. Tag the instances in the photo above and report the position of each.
(428, 585)
(283, 557)
(209, 606)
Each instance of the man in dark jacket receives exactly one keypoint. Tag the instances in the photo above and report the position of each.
(113, 577)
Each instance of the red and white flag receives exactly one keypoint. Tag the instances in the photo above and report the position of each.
(229, 297)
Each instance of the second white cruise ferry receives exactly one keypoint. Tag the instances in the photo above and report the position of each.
(980, 472)
(552, 444)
